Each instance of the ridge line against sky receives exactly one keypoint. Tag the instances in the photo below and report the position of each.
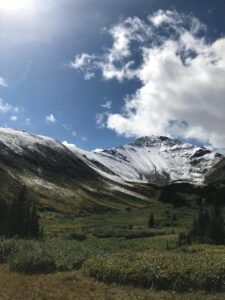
(158, 69)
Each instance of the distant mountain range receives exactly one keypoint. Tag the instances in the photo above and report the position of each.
(66, 177)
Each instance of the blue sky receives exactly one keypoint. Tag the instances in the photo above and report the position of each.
(43, 79)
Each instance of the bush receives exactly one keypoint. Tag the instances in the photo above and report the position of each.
(29, 256)
(14, 245)
(140, 234)
(164, 271)
(103, 234)
(32, 262)
(76, 236)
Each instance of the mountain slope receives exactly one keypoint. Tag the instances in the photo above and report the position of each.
(56, 176)
(159, 160)
(66, 179)
(216, 175)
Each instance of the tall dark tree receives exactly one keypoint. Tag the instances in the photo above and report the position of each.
(216, 230)
(3, 217)
(35, 231)
(151, 221)
(209, 228)
(20, 218)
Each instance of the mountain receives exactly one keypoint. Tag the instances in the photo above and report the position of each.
(65, 178)
(57, 177)
(216, 174)
(159, 160)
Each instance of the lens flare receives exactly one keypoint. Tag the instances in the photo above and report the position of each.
(16, 6)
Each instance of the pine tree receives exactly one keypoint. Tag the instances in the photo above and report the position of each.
(216, 230)
(209, 228)
(174, 217)
(35, 231)
(151, 221)
(3, 218)
(24, 219)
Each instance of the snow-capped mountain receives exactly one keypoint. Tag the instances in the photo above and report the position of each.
(153, 159)
(158, 160)
(64, 177)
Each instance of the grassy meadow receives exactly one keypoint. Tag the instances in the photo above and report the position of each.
(112, 255)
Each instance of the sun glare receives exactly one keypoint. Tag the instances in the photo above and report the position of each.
(16, 6)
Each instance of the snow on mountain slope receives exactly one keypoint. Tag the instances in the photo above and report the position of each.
(18, 140)
(22, 152)
(154, 159)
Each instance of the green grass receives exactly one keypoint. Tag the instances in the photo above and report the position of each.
(161, 270)
(118, 248)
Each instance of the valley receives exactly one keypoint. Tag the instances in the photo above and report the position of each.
(95, 211)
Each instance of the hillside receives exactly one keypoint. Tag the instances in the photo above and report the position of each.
(159, 160)
(57, 178)
(68, 179)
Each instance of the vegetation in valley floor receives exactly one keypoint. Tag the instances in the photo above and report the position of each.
(135, 250)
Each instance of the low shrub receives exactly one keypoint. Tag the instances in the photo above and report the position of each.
(14, 245)
(164, 271)
(103, 234)
(140, 234)
(32, 262)
(76, 236)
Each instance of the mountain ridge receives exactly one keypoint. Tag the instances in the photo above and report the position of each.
(67, 178)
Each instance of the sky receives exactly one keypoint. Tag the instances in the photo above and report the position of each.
(100, 73)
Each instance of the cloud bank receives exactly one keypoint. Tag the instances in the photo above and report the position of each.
(182, 76)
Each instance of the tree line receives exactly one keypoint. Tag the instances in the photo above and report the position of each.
(20, 218)
(207, 227)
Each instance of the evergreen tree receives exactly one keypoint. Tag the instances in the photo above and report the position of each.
(3, 218)
(24, 219)
(208, 228)
(216, 230)
(35, 231)
(151, 221)
(174, 217)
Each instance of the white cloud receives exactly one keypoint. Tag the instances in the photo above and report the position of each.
(6, 107)
(13, 118)
(84, 62)
(51, 119)
(81, 60)
(97, 150)
(69, 145)
(101, 119)
(161, 17)
(3, 82)
(182, 78)
(107, 105)
(89, 75)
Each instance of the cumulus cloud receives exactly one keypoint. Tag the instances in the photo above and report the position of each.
(97, 150)
(3, 82)
(69, 145)
(182, 76)
(51, 119)
(6, 107)
(84, 62)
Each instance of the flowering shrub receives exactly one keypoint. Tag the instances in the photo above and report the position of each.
(161, 270)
